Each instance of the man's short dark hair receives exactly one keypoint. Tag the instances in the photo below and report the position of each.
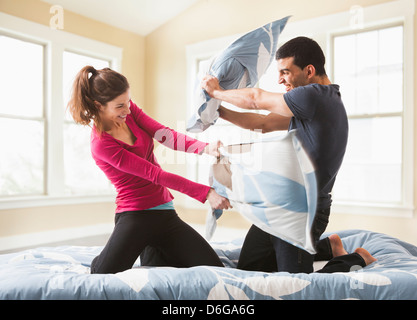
(305, 51)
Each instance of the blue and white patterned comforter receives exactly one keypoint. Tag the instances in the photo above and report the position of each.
(63, 273)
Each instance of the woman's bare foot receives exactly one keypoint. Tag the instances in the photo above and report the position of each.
(365, 255)
(337, 246)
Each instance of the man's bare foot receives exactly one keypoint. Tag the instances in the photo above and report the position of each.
(365, 255)
(337, 246)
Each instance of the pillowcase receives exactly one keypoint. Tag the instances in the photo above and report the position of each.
(272, 183)
(240, 65)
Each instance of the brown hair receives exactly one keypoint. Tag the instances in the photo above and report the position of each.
(305, 51)
(90, 86)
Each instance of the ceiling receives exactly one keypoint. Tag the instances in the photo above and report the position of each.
(138, 16)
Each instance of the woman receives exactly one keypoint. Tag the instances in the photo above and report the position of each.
(122, 146)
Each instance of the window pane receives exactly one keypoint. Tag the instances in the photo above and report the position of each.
(391, 69)
(21, 70)
(82, 176)
(367, 72)
(372, 168)
(345, 51)
(367, 93)
(369, 68)
(367, 51)
(22, 157)
(73, 63)
(391, 89)
(345, 70)
(391, 46)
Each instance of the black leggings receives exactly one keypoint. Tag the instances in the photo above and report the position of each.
(159, 231)
(263, 252)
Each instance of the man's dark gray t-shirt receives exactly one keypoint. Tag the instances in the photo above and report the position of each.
(322, 127)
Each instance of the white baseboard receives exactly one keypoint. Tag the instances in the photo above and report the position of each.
(47, 237)
(42, 238)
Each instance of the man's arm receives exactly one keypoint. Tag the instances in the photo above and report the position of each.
(248, 98)
(255, 121)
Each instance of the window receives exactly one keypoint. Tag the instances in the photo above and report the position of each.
(368, 65)
(22, 122)
(46, 158)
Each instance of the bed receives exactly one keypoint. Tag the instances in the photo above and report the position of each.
(63, 273)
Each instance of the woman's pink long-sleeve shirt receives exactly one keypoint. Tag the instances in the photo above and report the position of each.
(134, 171)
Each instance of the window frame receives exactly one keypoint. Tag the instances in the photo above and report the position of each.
(323, 29)
(55, 42)
(401, 208)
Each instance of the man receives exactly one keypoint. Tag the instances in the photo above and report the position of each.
(313, 106)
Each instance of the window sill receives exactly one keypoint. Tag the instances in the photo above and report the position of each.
(46, 201)
(373, 209)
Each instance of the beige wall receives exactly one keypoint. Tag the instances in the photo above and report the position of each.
(166, 73)
(156, 68)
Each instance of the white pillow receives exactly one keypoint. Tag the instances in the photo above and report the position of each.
(240, 65)
(272, 183)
